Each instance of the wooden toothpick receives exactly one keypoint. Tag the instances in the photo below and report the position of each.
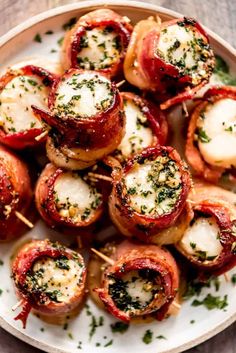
(19, 303)
(226, 276)
(41, 136)
(120, 83)
(99, 176)
(102, 256)
(24, 219)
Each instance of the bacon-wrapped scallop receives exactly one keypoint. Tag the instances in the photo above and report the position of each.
(143, 281)
(98, 41)
(171, 59)
(209, 241)
(87, 118)
(50, 279)
(211, 140)
(15, 194)
(19, 89)
(65, 198)
(146, 125)
(149, 193)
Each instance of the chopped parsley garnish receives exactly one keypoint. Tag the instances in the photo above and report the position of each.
(212, 302)
(161, 337)
(229, 129)
(1, 291)
(1, 262)
(70, 335)
(108, 343)
(62, 263)
(94, 324)
(233, 278)
(223, 72)
(38, 38)
(49, 32)
(60, 41)
(194, 287)
(68, 25)
(119, 326)
(148, 337)
(203, 136)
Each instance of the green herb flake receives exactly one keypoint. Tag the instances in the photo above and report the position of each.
(49, 32)
(192, 322)
(60, 41)
(1, 291)
(42, 329)
(70, 335)
(229, 129)
(233, 278)
(1, 263)
(148, 336)
(38, 38)
(119, 326)
(223, 72)
(212, 302)
(161, 337)
(203, 136)
(65, 326)
(32, 82)
(68, 25)
(108, 343)
(62, 263)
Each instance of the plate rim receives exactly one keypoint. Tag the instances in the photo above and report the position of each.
(20, 28)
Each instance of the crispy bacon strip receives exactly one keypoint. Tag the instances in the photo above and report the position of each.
(97, 19)
(15, 194)
(26, 138)
(47, 205)
(36, 299)
(133, 71)
(131, 256)
(133, 223)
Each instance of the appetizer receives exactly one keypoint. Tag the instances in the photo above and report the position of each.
(19, 89)
(149, 193)
(146, 125)
(49, 278)
(211, 140)
(172, 59)
(98, 41)
(209, 240)
(143, 280)
(15, 195)
(86, 116)
(65, 198)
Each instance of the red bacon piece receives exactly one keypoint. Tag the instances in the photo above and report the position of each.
(15, 194)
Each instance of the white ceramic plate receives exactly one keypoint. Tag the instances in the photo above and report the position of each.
(179, 332)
